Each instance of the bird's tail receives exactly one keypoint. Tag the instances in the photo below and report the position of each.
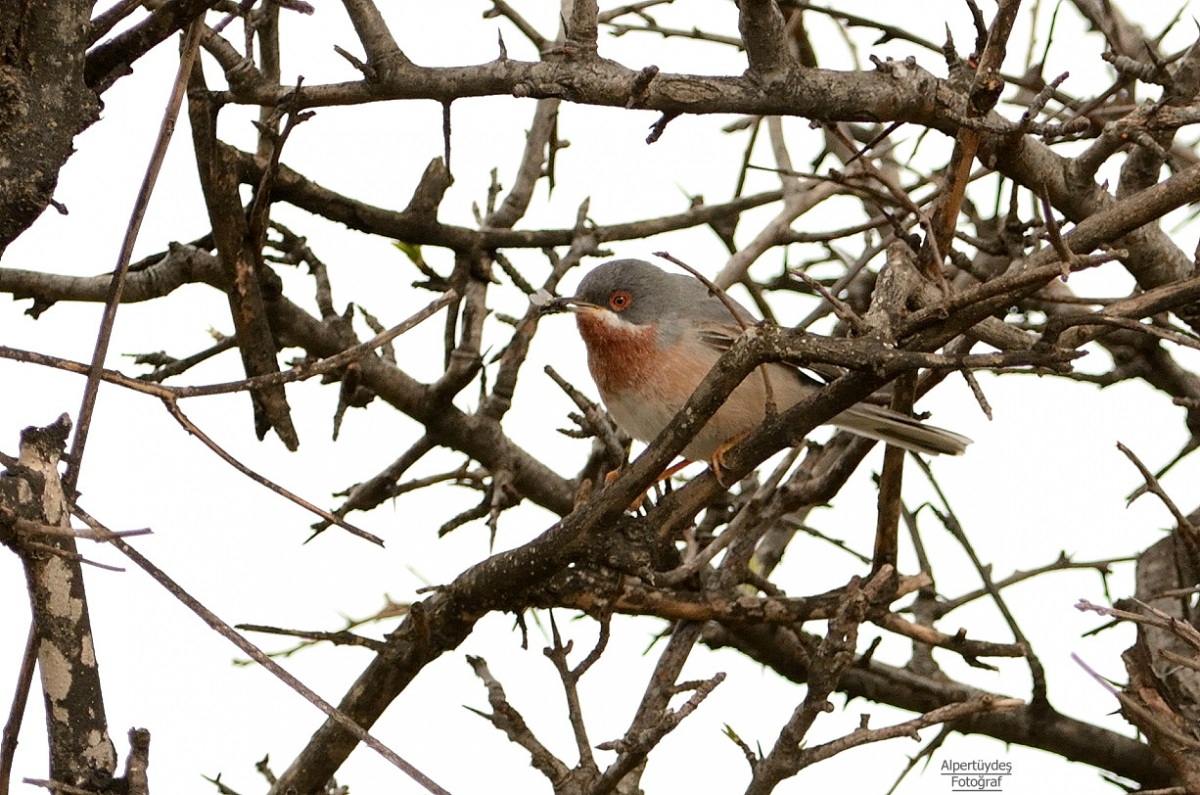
(876, 422)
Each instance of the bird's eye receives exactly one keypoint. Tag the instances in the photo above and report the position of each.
(620, 300)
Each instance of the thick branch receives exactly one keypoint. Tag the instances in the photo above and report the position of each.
(415, 226)
(895, 93)
(44, 104)
(113, 59)
(81, 752)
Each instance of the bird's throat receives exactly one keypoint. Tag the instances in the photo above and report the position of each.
(620, 354)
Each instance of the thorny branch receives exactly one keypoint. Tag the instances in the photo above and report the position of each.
(958, 276)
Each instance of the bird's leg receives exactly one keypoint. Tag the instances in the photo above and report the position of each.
(671, 470)
(637, 503)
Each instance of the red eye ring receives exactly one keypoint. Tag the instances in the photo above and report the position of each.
(620, 300)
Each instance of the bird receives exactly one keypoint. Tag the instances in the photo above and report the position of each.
(652, 337)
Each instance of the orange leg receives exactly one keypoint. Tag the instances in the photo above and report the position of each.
(671, 470)
(717, 459)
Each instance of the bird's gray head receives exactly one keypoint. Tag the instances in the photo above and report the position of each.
(642, 294)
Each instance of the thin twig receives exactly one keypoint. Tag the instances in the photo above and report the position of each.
(190, 427)
(298, 373)
(16, 712)
(1036, 670)
(191, 45)
(1157, 490)
(1136, 708)
(38, 528)
(261, 657)
(1063, 563)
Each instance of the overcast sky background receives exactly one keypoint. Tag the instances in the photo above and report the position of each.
(239, 548)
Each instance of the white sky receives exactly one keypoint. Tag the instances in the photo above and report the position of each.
(238, 548)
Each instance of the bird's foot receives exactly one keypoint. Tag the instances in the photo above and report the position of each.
(717, 460)
(636, 505)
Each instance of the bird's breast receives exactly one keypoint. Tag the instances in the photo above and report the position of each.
(643, 381)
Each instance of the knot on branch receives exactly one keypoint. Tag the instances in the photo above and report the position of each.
(900, 70)
(640, 88)
(985, 93)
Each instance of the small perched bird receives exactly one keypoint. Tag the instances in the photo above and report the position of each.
(653, 336)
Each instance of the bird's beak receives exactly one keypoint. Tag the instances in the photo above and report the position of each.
(567, 304)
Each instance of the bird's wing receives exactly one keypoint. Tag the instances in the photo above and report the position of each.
(717, 328)
(720, 337)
